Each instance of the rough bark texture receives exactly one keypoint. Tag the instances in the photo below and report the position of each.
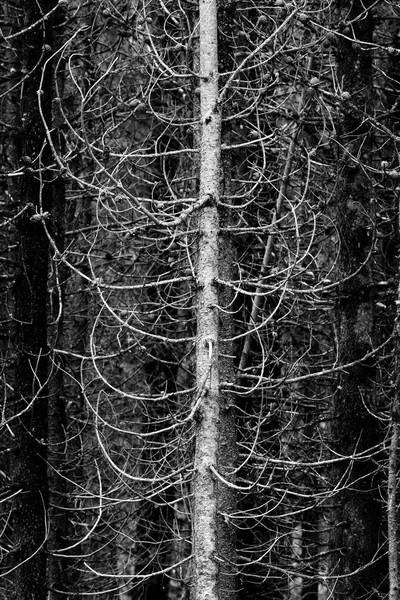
(227, 453)
(58, 567)
(393, 530)
(31, 301)
(392, 495)
(211, 545)
(355, 429)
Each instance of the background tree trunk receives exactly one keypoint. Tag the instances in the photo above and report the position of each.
(355, 429)
(34, 45)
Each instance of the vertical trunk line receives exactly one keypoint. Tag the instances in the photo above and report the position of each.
(392, 505)
(207, 368)
(34, 194)
(354, 428)
(393, 529)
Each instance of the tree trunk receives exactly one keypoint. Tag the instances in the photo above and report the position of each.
(31, 392)
(355, 430)
(392, 495)
(212, 496)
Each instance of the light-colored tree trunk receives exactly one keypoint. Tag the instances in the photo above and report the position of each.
(206, 530)
(295, 582)
(393, 530)
(392, 503)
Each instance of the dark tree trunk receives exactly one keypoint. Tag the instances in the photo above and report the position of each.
(355, 430)
(227, 456)
(35, 203)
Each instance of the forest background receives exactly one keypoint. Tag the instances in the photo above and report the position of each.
(200, 370)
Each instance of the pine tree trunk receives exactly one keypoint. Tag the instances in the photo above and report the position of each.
(392, 493)
(354, 428)
(212, 574)
(31, 392)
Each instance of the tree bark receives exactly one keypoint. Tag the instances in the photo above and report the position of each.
(212, 497)
(31, 393)
(355, 430)
(392, 494)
